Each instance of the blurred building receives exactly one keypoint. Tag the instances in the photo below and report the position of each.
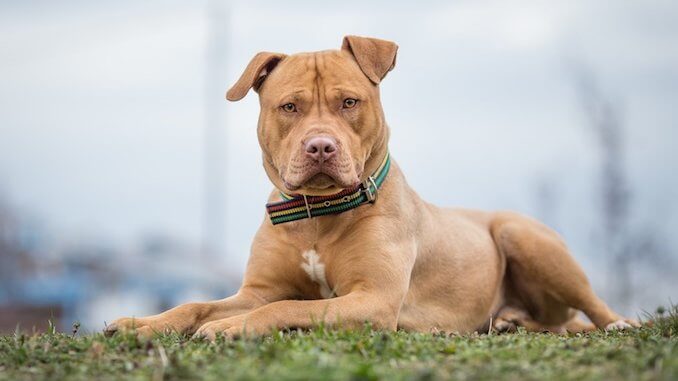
(84, 281)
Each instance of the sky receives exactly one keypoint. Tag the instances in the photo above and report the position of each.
(104, 108)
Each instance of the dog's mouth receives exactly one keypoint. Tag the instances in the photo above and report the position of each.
(321, 181)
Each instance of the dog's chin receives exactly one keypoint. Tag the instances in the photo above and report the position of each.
(320, 184)
(320, 181)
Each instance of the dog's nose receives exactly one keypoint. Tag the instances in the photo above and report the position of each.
(321, 148)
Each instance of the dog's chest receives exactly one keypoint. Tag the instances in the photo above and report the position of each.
(315, 269)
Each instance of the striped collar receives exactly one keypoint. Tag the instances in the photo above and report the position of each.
(298, 207)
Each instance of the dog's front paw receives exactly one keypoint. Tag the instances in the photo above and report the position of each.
(229, 328)
(144, 328)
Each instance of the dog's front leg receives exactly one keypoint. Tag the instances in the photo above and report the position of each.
(349, 311)
(374, 274)
(186, 318)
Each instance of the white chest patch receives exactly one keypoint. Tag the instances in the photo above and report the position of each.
(316, 271)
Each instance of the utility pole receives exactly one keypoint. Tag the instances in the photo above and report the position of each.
(214, 168)
(610, 136)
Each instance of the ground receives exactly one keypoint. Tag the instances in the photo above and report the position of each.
(647, 353)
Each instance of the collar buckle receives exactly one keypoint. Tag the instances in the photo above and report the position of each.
(308, 206)
(371, 195)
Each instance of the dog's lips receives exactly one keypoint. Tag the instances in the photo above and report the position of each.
(319, 179)
(314, 180)
(290, 186)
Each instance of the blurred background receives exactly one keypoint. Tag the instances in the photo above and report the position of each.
(129, 185)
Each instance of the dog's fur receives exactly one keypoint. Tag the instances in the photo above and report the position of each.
(398, 263)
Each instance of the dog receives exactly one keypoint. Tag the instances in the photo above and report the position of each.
(348, 242)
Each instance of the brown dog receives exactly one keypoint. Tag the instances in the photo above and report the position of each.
(372, 250)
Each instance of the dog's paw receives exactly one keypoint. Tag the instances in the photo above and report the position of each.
(501, 325)
(141, 327)
(210, 331)
(229, 328)
(121, 325)
(622, 325)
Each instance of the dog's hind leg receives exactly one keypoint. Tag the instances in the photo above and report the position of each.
(544, 275)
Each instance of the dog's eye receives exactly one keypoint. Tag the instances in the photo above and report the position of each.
(350, 102)
(289, 107)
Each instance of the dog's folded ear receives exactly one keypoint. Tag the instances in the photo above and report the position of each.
(259, 67)
(374, 56)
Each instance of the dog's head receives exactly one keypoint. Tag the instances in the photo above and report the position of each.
(321, 124)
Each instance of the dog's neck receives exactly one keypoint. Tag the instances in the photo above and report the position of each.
(301, 206)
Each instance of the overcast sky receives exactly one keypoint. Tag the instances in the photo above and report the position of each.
(103, 109)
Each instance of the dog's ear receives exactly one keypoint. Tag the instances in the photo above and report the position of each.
(259, 67)
(374, 56)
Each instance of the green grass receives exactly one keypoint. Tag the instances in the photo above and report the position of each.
(648, 353)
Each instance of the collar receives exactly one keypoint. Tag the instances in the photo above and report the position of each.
(298, 207)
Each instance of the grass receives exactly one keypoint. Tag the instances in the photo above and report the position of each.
(648, 353)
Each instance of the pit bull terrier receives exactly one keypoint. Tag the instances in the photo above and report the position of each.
(348, 242)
